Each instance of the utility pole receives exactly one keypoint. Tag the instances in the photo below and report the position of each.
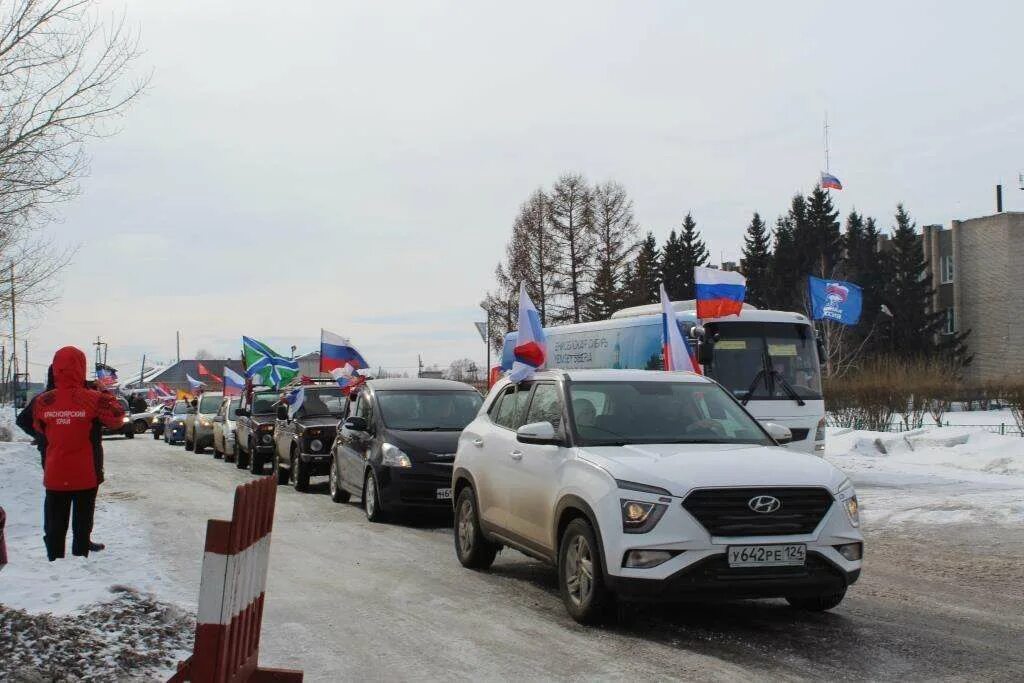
(177, 338)
(26, 364)
(99, 345)
(14, 339)
(142, 370)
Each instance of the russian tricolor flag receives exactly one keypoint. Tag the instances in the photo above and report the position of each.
(234, 383)
(830, 182)
(531, 349)
(336, 352)
(677, 352)
(719, 292)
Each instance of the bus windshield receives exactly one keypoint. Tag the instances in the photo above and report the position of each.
(765, 361)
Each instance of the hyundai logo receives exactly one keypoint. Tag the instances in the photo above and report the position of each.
(764, 504)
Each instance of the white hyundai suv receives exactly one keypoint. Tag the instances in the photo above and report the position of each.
(651, 486)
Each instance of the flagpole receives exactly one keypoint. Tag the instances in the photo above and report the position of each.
(827, 170)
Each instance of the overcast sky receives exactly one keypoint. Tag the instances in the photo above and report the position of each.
(357, 166)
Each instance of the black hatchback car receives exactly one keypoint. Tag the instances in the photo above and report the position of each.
(396, 446)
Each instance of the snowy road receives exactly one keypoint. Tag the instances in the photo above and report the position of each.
(348, 599)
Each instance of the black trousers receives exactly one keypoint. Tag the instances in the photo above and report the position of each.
(57, 509)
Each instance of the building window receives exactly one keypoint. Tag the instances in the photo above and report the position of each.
(946, 269)
(950, 321)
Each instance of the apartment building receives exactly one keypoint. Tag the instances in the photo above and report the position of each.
(977, 269)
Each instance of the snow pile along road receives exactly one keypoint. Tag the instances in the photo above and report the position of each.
(58, 618)
(933, 475)
(133, 636)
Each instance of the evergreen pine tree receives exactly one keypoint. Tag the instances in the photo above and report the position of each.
(757, 262)
(819, 237)
(909, 292)
(693, 253)
(644, 275)
(673, 273)
(788, 279)
(866, 266)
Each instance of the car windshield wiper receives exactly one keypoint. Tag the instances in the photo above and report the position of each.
(753, 385)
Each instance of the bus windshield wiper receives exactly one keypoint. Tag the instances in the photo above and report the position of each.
(753, 385)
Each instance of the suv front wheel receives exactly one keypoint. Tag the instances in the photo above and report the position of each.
(581, 574)
(472, 548)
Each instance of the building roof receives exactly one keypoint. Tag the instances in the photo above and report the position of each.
(175, 374)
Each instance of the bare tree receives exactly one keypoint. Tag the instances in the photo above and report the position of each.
(571, 216)
(203, 354)
(615, 243)
(63, 80)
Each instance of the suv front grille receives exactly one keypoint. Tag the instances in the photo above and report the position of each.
(726, 512)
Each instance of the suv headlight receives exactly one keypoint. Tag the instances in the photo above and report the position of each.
(394, 457)
(204, 422)
(640, 516)
(847, 497)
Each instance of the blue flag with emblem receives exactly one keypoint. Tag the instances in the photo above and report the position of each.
(835, 300)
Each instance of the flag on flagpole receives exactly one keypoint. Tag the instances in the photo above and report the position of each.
(531, 349)
(830, 182)
(234, 383)
(265, 366)
(676, 350)
(337, 352)
(719, 292)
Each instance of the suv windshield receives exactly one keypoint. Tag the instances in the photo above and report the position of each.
(759, 361)
(180, 408)
(620, 413)
(264, 402)
(428, 411)
(322, 402)
(208, 405)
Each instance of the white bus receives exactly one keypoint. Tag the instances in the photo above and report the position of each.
(767, 359)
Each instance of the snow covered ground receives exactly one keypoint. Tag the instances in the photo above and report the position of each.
(935, 475)
(111, 616)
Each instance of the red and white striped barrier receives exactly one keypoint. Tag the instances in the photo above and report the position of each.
(231, 592)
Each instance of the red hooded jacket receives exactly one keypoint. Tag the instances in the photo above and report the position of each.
(65, 416)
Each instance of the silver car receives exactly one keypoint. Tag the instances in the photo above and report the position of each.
(199, 423)
(224, 429)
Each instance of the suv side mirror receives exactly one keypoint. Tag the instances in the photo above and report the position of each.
(241, 412)
(822, 354)
(356, 424)
(778, 432)
(538, 433)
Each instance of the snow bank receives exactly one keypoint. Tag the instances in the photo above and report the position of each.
(32, 583)
(947, 475)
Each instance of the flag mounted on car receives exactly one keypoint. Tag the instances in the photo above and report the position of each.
(204, 372)
(106, 376)
(677, 352)
(531, 349)
(234, 384)
(835, 300)
(295, 398)
(265, 366)
(193, 383)
(337, 351)
(348, 378)
(719, 292)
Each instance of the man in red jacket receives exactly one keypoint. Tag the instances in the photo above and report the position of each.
(73, 468)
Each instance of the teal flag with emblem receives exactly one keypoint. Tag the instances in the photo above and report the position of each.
(266, 366)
